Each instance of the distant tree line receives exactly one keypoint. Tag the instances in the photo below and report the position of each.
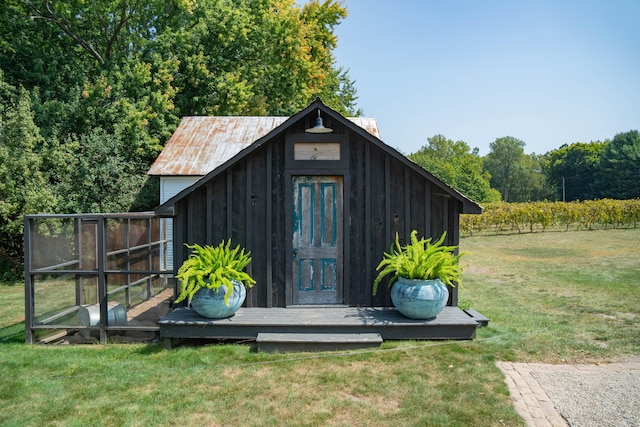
(580, 171)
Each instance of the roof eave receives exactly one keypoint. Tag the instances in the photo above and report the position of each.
(468, 205)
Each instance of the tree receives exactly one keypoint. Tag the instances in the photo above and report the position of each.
(505, 163)
(617, 173)
(107, 30)
(136, 67)
(96, 172)
(571, 169)
(455, 164)
(105, 83)
(33, 54)
(259, 58)
(23, 186)
(534, 185)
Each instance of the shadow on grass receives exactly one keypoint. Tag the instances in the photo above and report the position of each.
(150, 349)
(13, 334)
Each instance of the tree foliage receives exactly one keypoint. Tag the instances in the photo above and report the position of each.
(23, 187)
(571, 169)
(458, 166)
(618, 172)
(518, 176)
(96, 170)
(506, 165)
(97, 88)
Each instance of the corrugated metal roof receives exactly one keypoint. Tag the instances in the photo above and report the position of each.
(201, 144)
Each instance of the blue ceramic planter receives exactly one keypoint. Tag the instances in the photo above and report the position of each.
(419, 299)
(210, 303)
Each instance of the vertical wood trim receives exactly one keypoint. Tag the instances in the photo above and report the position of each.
(188, 220)
(445, 216)
(269, 218)
(248, 224)
(454, 228)
(209, 212)
(427, 212)
(455, 225)
(367, 225)
(407, 203)
(387, 200)
(346, 238)
(229, 207)
(288, 230)
(178, 240)
(387, 213)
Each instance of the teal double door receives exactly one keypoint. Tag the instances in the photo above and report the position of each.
(317, 241)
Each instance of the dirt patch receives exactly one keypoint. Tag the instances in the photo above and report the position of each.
(148, 312)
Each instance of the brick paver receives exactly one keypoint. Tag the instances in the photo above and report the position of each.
(532, 402)
(529, 398)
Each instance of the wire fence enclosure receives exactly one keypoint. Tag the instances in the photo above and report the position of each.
(86, 272)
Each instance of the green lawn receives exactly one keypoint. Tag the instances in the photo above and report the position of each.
(551, 297)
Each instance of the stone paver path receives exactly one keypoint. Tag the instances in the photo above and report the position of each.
(586, 395)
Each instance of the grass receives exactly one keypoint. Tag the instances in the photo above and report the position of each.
(551, 297)
(556, 296)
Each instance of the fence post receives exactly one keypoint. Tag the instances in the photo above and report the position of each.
(102, 281)
(28, 283)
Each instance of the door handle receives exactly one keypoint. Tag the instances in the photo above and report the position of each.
(295, 253)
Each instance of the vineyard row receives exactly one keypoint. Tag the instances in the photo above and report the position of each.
(498, 218)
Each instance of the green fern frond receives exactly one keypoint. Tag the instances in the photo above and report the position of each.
(420, 259)
(211, 267)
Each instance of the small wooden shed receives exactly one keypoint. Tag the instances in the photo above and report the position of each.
(316, 210)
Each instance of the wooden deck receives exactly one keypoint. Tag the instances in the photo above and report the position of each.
(453, 323)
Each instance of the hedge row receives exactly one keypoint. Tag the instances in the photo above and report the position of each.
(539, 216)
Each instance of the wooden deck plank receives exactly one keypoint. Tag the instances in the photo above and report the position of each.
(481, 319)
(288, 342)
(247, 323)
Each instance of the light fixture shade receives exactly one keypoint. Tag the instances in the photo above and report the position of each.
(319, 127)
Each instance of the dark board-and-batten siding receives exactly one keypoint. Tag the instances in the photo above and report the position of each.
(247, 201)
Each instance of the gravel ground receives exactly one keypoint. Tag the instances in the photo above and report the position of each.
(594, 395)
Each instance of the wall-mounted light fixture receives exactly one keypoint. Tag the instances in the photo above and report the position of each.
(319, 127)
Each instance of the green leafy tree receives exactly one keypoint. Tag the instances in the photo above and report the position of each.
(135, 67)
(33, 54)
(506, 162)
(107, 30)
(23, 186)
(534, 185)
(96, 172)
(106, 82)
(458, 166)
(571, 169)
(617, 174)
(265, 57)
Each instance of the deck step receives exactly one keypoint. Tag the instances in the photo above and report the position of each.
(481, 319)
(297, 342)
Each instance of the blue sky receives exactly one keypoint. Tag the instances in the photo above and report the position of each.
(548, 72)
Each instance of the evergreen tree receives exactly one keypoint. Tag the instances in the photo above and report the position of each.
(617, 173)
(23, 186)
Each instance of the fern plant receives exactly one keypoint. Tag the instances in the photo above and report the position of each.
(420, 259)
(211, 267)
